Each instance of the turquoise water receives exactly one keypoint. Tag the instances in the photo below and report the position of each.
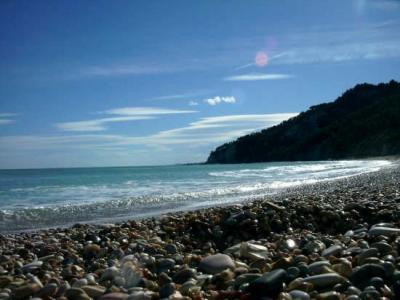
(39, 198)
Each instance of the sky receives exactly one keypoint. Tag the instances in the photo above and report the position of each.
(122, 83)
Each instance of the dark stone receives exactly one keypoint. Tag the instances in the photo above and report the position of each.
(366, 272)
(269, 284)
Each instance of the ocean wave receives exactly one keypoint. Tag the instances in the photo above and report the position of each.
(49, 206)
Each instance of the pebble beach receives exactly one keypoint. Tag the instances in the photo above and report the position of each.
(333, 240)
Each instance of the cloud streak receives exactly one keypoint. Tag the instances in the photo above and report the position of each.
(258, 76)
(123, 114)
(205, 131)
(7, 118)
(219, 99)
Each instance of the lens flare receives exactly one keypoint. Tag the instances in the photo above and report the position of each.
(261, 59)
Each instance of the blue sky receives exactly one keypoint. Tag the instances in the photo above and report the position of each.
(110, 83)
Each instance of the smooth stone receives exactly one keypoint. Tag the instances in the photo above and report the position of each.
(293, 272)
(114, 296)
(184, 275)
(389, 268)
(353, 297)
(365, 272)
(216, 263)
(352, 290)
(343, 268)
(315, 246)
(370, 293)
(383, 231)
(23, 292)
(299, 295)
(32, 266)
(165, 264)
(318, 266)
(140, 295)
(383, 247)
(80, 283)
(171, 249)
(371, 252)
(185, 288)
(131, 276)
(5, 281)
(166, 290)
(48, 290)
(110, 273)
(246, 278)
(94, 291)
(377, 282)
(322, 281)
(329, 296)
(4, 296)
(76, 294)
(332, 251)
(396, 289)
(269, 284)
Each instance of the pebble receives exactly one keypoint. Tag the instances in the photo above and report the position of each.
(323, 281)
(269, 284)
(216, 263)
(318, 244)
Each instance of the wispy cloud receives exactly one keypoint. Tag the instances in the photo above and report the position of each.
(121, 70)
(97, 124)
(193, 103)
(386, 5)
(123, 114)
(205, 131)
(257, 76)
(220, 99)
(7, 118)
(148, 111)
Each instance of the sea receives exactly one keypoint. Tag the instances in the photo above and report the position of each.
(41, 198)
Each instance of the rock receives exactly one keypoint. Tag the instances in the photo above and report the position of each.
(165, 264)
(315, 246)
(216, 263)
(94, 291)
(323, 281)
(365, 272)
(371, 252)
(29, 268)
(370, 293)
(383, 247)
(131, 275)
(166, 290)
(114, 296)
(110, 273)
(248, 250)
(80, 283)
(48, 290)
(299, 295)
(171, 249)
(343, 268)
(25, 291)
(329, 296)
(184, 275)
(76, 294)
(376, 230)
(5, 281)
(318, 266)
(246, 278)
(269, 284)
(333, 250)
(140, 295)
(185, 288)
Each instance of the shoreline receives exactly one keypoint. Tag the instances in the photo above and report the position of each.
(313, 241)
(273, 195)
